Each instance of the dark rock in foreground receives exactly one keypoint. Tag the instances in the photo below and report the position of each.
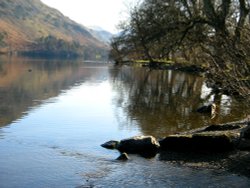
(112, 144)
(207, 141)
(139, 144)
(218, 138)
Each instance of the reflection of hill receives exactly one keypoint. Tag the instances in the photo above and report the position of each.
(161, 102)
(25, 83)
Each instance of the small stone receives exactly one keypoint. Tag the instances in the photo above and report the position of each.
(123, 157)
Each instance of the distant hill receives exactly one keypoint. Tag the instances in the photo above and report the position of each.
(101, 34)
(30, 27)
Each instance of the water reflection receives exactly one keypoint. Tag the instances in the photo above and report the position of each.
(26, 83)
(163, 102)
(58, 144)
(156, 102)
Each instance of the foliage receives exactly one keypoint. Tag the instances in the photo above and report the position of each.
(51, 46)
(211, 32)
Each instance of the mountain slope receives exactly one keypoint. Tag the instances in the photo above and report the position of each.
(30, 25)
(101, 34)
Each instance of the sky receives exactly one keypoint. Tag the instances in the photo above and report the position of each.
(103, 13)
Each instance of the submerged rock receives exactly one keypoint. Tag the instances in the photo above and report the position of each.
(112, 144)
(139, 144)
(123, 157)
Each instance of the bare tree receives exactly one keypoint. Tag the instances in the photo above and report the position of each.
(214, 32)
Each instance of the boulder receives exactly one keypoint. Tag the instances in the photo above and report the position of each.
(221, 137)
(217, 138)
(216, 141)
(176, 142)
(139, 144)
(206, 141)
(123, 157)
(112, 144)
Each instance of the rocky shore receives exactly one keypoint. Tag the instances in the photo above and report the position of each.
(223, 147)
(214, 138)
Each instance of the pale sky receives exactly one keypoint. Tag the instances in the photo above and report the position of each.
(103, 13)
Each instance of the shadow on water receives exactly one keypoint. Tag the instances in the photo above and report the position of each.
(163, 102)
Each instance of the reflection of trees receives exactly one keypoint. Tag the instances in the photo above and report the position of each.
(25, 83)
(161, 102)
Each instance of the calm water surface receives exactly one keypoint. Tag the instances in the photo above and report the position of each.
(54, 115)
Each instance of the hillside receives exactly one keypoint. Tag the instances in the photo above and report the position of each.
(101, 34)
(31, 27)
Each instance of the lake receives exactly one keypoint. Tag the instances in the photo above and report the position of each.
(55, 114)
